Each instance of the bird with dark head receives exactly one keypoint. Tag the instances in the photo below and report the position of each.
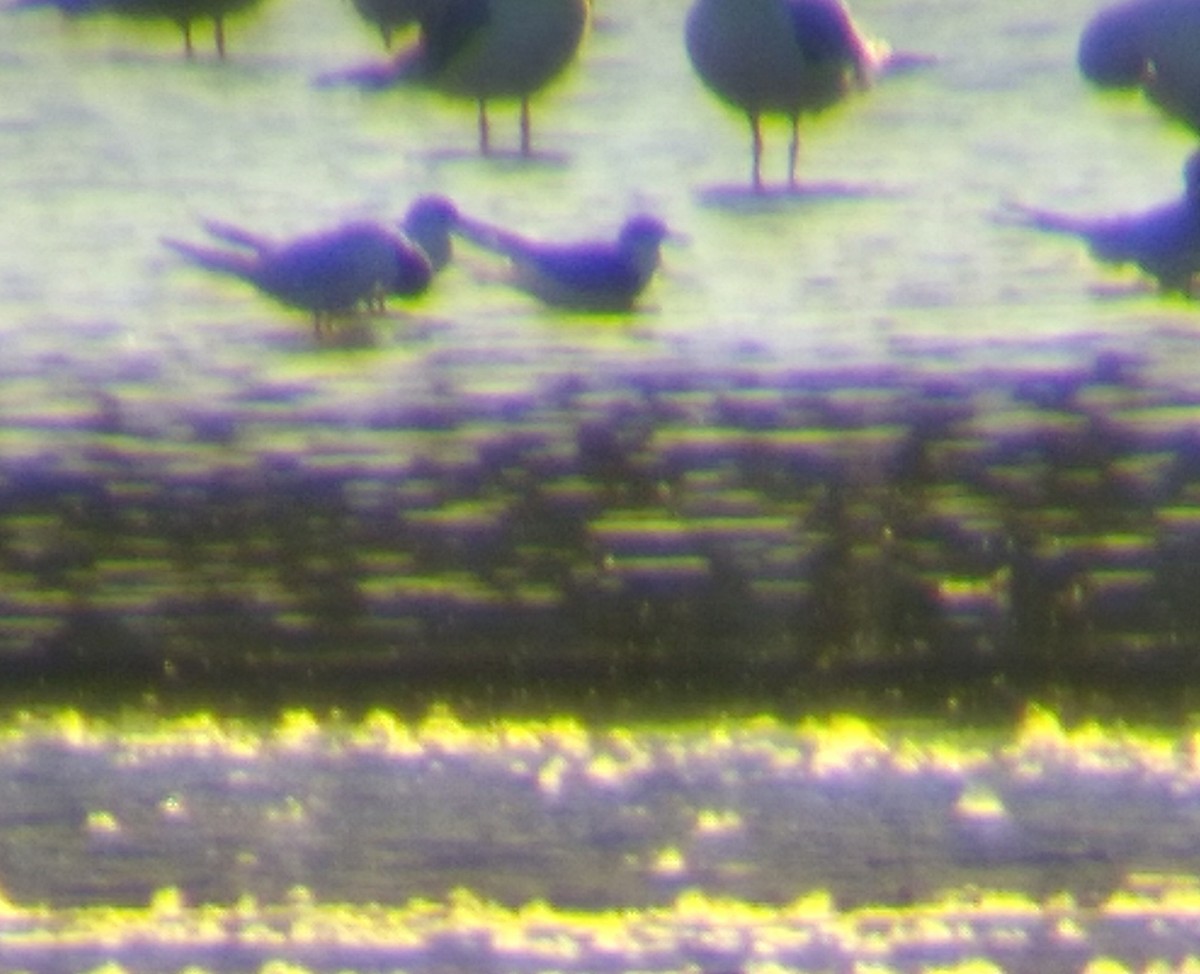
(388, 16)
(1148, 45)
(782, 57)
(1163, 242)
(599, 276)
(330, 274)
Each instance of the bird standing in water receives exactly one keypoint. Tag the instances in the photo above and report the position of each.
(593, 276)
(330, 274)
(484, 50)
(1164, 242)
(789, 57)
(180, 12)
(1152, 45)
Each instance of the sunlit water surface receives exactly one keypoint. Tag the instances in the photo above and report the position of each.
(520, 846)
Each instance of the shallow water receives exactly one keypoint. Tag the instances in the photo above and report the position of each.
(860, 440)
(870, 392)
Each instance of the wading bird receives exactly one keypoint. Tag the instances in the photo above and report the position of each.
(787, 57)
(329, 274)
(592, 276)
(484, 50)
(1164, 242)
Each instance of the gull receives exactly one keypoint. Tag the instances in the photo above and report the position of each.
(591, 276)
(1151, 45)
(329, 274)
(180, 12)
(1164, 242)
(789, 57)
(484, 50)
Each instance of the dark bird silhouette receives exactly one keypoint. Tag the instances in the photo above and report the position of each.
(484, 50)
(1164, 242)
(787, 57)
(590, 276)
(428, 224)
(329, 274)
(1151, 45)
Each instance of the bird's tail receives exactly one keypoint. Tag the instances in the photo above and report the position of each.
(491, 237)
(1020, 214)
(236, 235)
(212, 259)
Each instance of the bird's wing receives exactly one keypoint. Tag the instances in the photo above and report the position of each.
(824, 32)
(239, 265)
(448, 28)
(585, 276)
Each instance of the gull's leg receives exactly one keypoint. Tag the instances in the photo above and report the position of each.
(485, 145)
(526, 138)
(219, 32)
(756, 147)
(794, 151)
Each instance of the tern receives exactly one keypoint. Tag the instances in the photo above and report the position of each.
(329, 274)
(591, 276)
(180, 12)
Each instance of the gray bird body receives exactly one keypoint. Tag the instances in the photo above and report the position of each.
(1164, 242)
(1151, 45)
(594, 276)
(790, 57)
(484, 50)
(328, 274)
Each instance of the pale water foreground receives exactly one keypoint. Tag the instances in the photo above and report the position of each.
(378, 844)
